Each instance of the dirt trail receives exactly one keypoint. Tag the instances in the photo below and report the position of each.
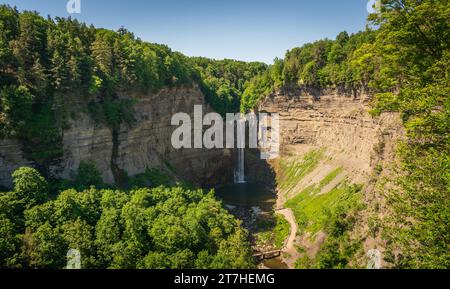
(289, 246)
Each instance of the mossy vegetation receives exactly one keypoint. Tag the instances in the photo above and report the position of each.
(281, 231)
(312, 209)
(332, 212)
(272, 232)
(293, 169)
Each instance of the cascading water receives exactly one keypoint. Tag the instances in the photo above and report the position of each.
(239, 173)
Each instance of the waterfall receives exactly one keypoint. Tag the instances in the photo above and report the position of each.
(239, 173)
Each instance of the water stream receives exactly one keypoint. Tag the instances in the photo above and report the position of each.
(250, 202)
(239, 173)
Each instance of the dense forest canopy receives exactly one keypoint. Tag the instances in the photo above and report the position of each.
(47, 64)
(151, 228)
(224, 81)
(339, 64)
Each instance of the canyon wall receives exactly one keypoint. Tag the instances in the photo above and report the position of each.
(146, 143)
(11, 158)
(329, 141)
(340, 124)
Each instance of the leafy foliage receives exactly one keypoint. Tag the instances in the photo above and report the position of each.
(281, 231)
(49, 64)
(29, 186)
(342, 64)
(223, 81)
(413, 48)
(143, 228)
(87, 175)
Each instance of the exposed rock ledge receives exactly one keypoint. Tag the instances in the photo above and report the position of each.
(146, 144)
(361, 145)
(341, 125)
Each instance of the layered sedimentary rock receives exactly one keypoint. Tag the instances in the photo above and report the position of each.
(344, 138)
(145, 143)
(340, 124)
(11, 157)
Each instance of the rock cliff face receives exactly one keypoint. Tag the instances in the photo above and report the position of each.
(339, 124)
(144, 144)
(11, 158)
(344, 145)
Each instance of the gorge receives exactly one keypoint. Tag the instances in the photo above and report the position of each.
(350, 140)
(87, 160)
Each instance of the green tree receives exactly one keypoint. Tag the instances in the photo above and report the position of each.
(15, 110)
(233, 252)
(30, 186)
(9, 30)
(80, 236)
(9, 242)
(413, 47)
(45, 248)
(88, 175)
(29, 49)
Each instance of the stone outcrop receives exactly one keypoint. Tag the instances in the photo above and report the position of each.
(340, 124)
(11, 158)
(359, 145)
(146, 143)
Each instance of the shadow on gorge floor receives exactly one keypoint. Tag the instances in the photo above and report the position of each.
(254, 202)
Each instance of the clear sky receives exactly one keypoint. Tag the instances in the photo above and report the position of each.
(250, 30)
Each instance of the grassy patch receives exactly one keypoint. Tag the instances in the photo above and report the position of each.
(313, 211)
(293, 170)
(272, 231)
(333, 213)
(330, 177)
(281, 231)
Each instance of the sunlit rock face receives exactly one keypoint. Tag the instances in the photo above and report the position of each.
(146, 143)
(340, 124)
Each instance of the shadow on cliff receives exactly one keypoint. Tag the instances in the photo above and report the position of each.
(259, 171)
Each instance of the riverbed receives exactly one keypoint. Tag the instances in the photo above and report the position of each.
(252, 203)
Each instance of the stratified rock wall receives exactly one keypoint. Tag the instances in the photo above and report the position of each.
(11, 158)
(340, 124)
(146, 143)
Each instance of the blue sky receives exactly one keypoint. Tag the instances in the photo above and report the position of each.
(250, 30)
